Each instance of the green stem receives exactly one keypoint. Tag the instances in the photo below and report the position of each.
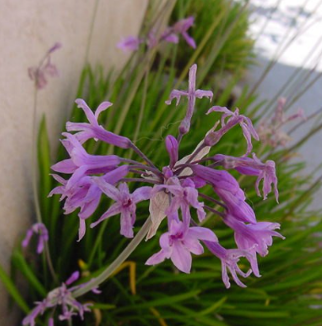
(34, 181)
(117, 262)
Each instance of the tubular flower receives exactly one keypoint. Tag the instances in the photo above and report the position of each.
(247, 166)
(175, 192)
(179, 242)
(41, 230)
(125, 204)
(191, 94)
(170, 35)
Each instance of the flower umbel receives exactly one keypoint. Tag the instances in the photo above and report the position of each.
(61, 296)
(177, 191)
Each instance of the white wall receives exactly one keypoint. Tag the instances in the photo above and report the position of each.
(27, 29)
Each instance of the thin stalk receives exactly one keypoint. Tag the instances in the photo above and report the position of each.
(301, 141)
(292, 80)
(139, 180)
(213, 200)
(117, 262)
(91, 29)
(212, 210)
(34, 182)
(314, 114)
(279, 52)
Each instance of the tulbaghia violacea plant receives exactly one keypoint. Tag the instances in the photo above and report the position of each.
(175, 192)
(170, 35)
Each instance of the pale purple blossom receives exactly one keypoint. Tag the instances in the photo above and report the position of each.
(191, 94)
(252, 166)
(42, 232)
(92, 129)
(86, 194)
(170, 34)
(125, 204)
(257, 236)
(172, 147)
(63, 297)
(270, 131)
(184, 195)
(234, 118)
(80, 162)
(130, 43)
(179, 243)
(229, 262)
(45, 69)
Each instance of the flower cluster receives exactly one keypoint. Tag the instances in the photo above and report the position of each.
(61, 296)
(45, 69)
(271, 133)
(170, 35)
(176, 192)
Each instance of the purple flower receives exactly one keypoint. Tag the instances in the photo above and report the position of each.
(234, 118)
(271, 133)
(41, 230)
(172, 147)
(86, 194)
(80, 162)
(245, 165)
(92, 129)
(229, 259)
(170, 34)
(181, 27)
(179, 243)
(228, 190)
(191, 94)
(125, 204)
(45, 69)
(183, 196)
(61, 296)
(256, 236)
(219, 179)
(131, 43)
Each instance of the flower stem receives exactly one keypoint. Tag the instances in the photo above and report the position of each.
(117, 262)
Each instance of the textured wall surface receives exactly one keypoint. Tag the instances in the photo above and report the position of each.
(27, 30)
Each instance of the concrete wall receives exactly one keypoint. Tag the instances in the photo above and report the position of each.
(27, 30)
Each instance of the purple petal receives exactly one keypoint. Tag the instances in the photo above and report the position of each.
(113, 210)
(65, 166)
(181, 258)
(126, 223)
(74, 277)
(143, 193)
(172, 147)
(108, 189)
(193, 245)
(157, 258)
(202, 233)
